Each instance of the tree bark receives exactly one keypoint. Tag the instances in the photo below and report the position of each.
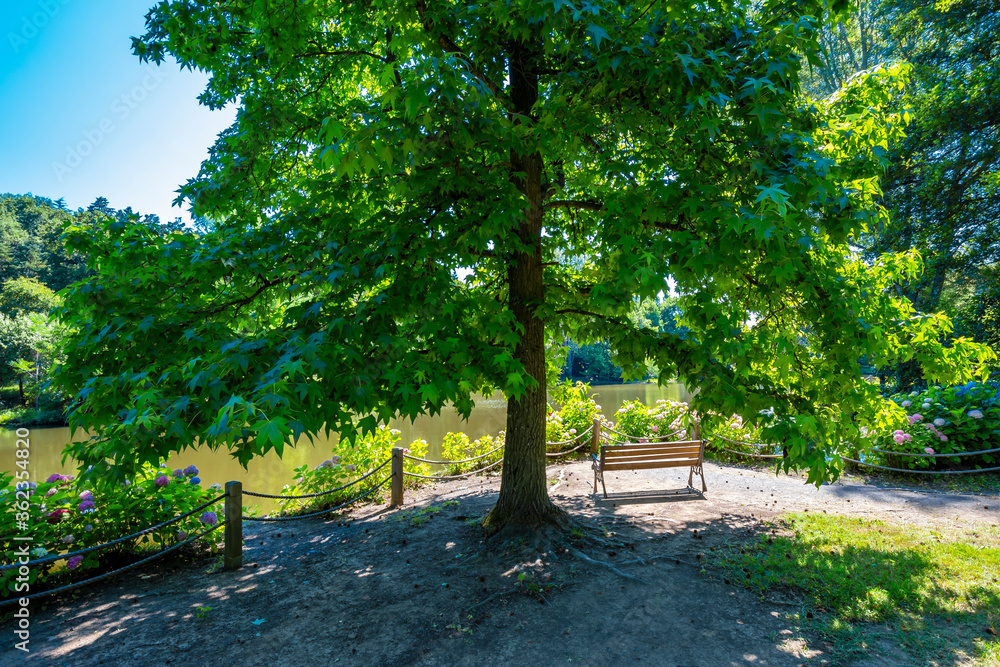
(524, 502)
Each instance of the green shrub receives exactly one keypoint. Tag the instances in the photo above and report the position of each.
(576, 414)
(457, 447)
(350, 461)
(64, 515)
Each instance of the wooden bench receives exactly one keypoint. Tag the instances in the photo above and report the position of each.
(645, 455)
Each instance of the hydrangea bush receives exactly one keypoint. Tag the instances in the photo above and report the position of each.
(652, 421)
(66, 515)
(944, 420)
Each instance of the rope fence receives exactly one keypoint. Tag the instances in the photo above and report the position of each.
(744, 444)
(319, 493)
(296, 517)
(458, 476)
(924, 454)
(112, 573)
(553, 455)
(96, 547)
(923, 472)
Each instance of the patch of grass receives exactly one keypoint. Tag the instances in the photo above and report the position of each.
(421, 516)
(17, 417)
(934, 594)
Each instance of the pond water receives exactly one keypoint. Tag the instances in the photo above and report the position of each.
(270, 473)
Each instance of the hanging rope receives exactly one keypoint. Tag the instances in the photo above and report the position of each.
(737, 442)
(144, 531)
(326, 511)
(921, 472)
(460, 476)
(321, 493)
(119, 570)
(574, 438)
(756, 456)
(444, 463)
(568, 451)
(924, 454)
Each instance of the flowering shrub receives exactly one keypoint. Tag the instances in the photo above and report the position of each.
(654, 421)
(943, 420)
(576, 413)
(67, 515)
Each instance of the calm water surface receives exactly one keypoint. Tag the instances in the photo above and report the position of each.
(270, 473)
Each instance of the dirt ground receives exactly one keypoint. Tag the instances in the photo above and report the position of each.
(417, 585)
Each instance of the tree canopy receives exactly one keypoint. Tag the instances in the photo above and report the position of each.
(942, 186)
(412, 194)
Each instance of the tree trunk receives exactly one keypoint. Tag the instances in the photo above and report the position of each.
(524, 503)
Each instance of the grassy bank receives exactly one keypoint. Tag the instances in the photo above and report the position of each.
(15, 415)
(863, 583)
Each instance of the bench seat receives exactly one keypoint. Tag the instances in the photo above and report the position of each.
(648, 455)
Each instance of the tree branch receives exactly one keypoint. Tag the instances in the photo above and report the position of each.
(450, 46)
(589, 205)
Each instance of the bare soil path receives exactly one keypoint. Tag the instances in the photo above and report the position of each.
(418, 586)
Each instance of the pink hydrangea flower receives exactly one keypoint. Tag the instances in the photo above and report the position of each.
(654, 428)
(943, 437)
(916, 418)
(898, 437)
(929, 450)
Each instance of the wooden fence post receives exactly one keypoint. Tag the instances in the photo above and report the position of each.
(232, 558)
(595, 437)
(396, 485)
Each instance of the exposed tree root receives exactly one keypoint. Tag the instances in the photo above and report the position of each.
(584, 557)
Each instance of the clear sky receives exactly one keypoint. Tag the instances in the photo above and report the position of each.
(81, 117)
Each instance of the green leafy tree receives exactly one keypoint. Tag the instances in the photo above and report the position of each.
(942, 187)
(413, 193)
(25, 295)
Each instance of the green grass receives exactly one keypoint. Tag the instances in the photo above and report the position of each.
(864, 582)
(24, 416)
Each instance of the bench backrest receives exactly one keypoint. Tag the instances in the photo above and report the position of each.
(639, 455)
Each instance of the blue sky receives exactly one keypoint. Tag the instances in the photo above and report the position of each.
(81, 117)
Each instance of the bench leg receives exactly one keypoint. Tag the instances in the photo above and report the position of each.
(601, 475)
(701, 472)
